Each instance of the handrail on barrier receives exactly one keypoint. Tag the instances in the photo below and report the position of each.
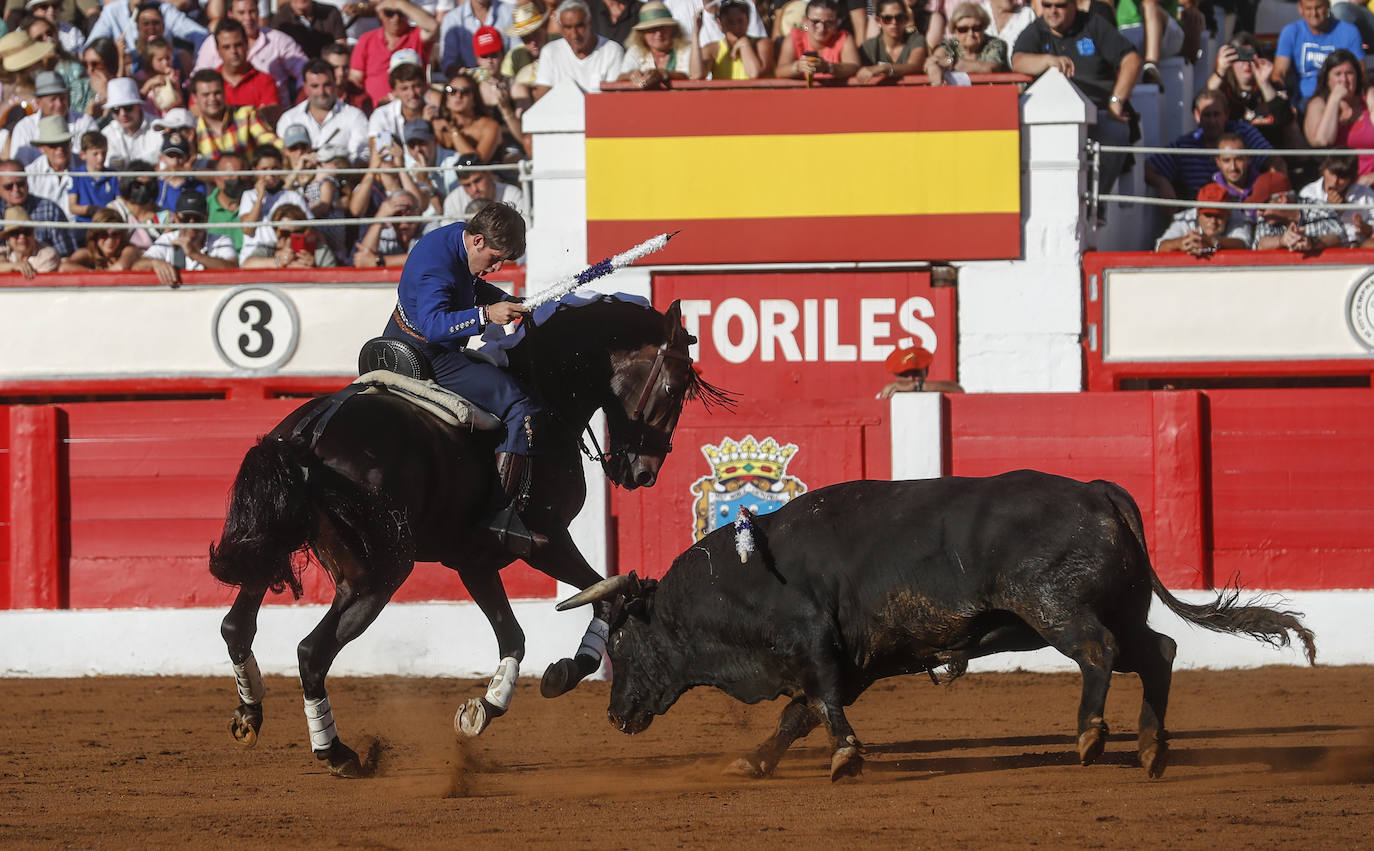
(780, 83)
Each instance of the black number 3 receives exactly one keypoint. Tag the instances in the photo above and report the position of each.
(259, 327)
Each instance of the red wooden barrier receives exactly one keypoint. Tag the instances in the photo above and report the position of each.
(36, 580)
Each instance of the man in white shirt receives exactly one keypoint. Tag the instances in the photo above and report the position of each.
(387, 122)
(1338, 184)
(478, 185)
(581, 56)
(131, 135)
(54, 143)
(53, 98)
(192, 250)
(328, 120)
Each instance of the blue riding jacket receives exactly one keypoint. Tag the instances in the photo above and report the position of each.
(436, 309)
(438, 296)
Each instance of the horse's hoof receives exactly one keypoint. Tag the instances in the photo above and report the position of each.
(1154, 757)
(1091, 741)
(846, 763)
(474, 717)
(343, 761)
(560, 678)
(245, 724)
(747, 767)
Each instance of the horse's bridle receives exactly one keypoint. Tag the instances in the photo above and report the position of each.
(642, 430)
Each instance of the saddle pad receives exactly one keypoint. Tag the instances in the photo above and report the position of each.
(444, 404)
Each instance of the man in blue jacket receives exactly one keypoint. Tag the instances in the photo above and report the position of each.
(441, 302)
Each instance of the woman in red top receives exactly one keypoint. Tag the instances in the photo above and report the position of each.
(820, 50)
(1338, 115)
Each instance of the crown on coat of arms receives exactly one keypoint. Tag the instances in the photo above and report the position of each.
(749, 459)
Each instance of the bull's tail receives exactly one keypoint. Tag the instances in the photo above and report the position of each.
(270, 518)
(1226, 613)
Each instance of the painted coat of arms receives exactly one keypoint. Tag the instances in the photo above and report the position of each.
(747, 473)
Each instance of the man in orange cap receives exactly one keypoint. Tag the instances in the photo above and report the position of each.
(1203, 230)
(909, 364)
(1303, 231)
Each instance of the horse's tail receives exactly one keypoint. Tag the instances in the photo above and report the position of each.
(270, 519)
(1225, 613)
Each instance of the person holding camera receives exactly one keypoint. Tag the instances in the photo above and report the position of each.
(1245, 77)
(297, 246)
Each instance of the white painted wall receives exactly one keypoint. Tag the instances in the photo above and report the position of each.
(454, 640)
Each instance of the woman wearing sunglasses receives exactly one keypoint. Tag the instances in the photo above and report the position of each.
(971, 50)
(820, 50)
(896, 50)
(463, 123)
(107, 249)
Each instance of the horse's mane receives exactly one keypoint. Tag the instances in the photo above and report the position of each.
(630, 322)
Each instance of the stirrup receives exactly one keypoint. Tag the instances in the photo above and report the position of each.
(511, 532)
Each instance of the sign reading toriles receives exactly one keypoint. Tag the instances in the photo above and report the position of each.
(747, 473)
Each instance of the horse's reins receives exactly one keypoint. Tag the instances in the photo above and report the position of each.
(636, 418)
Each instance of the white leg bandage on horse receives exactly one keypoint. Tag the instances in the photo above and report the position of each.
(594, 642)
(321, 721)
(502, 685)
(249, 680)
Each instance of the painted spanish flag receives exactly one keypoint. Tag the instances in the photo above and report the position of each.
(852, 174)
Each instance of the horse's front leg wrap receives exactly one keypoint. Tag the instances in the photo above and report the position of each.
(474, 716)
(320, 719)
(249, 681)
(594, 642)
(502, 685)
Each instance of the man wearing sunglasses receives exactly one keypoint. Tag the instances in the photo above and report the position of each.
(1097, 59)
(14, 192)
(405, 26)
(131, 134)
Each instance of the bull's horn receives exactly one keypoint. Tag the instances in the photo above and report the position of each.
(603, 590)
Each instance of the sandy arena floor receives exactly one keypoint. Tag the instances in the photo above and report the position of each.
(1262, 758)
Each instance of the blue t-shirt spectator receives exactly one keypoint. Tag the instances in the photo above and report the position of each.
(167, 194)
(92, 189)
(1307, 51)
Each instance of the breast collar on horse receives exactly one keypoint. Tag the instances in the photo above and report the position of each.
(636, 418)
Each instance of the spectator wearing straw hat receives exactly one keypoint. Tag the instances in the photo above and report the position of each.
(118, 21)
(19, 56)
(463, 22)
(55, 156)
(53, 99)
(24, 252)
(580, 57)
(529, 27)
(309, 23)
(405, 26)
(272, 52)
(326, 119)
(657, 50)
(14, 192)
(1200, 231)
(131, 134)
(1300, 231)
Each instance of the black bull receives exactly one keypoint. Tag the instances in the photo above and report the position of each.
(865, 580)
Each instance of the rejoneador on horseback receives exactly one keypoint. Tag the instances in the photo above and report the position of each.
(395, 468)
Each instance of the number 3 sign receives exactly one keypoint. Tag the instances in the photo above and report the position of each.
(256, 329)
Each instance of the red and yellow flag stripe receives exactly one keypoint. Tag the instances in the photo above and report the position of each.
(795, 175)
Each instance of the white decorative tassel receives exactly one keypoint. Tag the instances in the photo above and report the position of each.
(249, 681)
(563, 286)
(744, 534)
(320, 719)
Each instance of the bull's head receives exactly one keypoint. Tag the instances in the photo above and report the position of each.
(642, 684)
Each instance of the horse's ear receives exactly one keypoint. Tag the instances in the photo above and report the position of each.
(672, 319)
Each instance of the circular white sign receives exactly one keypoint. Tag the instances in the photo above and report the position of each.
(255, 329)
(1360, 311)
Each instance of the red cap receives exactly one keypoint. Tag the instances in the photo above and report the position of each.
(1268, 185)
(908, 360)
(1213, 192)
(486, 41)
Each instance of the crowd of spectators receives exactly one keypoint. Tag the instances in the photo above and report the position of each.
(434, 89)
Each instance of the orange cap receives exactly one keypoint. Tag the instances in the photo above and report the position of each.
(908, 360)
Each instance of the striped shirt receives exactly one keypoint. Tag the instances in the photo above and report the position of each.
(243, 131)
(1188, 174)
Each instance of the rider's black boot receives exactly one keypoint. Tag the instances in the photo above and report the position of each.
(516, 473)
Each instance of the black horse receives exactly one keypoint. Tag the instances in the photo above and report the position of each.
(387, 484)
